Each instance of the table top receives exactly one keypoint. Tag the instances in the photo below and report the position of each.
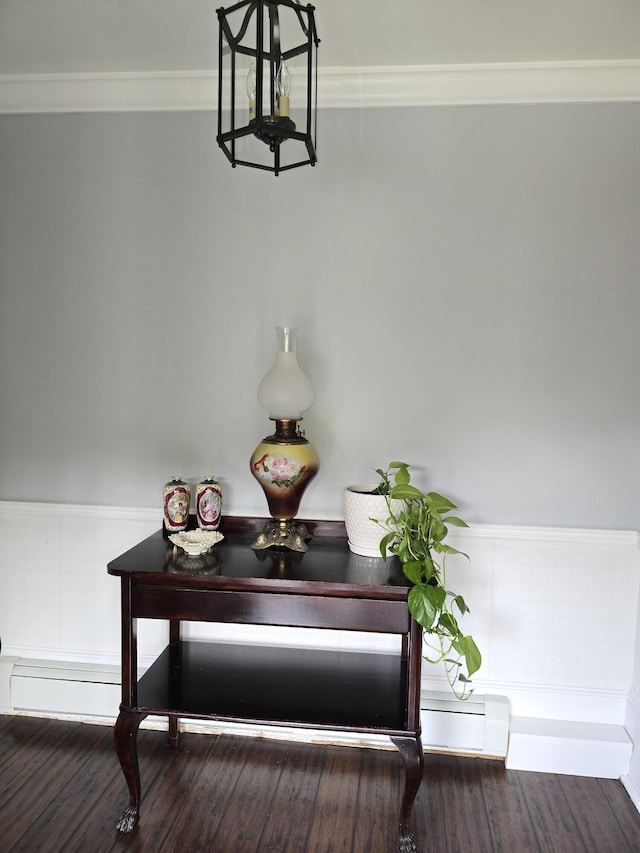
(327, 567)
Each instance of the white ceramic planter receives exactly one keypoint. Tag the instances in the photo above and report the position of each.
(360, 506)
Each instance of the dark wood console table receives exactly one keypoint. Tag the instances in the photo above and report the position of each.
(326, 587)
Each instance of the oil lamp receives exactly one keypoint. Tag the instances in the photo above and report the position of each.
(284, 463)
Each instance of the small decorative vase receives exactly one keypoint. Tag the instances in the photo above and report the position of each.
(175, 505)
(208, 503)
(360, 508)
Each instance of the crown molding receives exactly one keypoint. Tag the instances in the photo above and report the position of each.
(349, 88)
(466, 85)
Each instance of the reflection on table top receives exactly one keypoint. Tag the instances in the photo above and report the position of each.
(327, 561)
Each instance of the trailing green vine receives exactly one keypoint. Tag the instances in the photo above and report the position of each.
(416, 534)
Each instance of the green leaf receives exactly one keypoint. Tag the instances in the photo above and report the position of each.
(429, 568)
(470, 652)
(402, 474)
(421, 607)
(405, 492)
(449, 625)
(436, 594)
(413, 570)
(457, 522)
(384, 544)
(438, 530)
(400, 547)
(461, 604)
(448, 549)
(439, 503)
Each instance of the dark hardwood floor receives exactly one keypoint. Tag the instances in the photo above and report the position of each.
(61, 789)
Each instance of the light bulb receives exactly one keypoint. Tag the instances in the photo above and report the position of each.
(251, 91)
(283, 88)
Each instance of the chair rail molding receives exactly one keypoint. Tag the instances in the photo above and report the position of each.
(338, 87)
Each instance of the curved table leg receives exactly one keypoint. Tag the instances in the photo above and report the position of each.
(125, 735)
(410, 749)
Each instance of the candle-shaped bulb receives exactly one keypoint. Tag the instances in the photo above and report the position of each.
(251, 91)
(283, 88)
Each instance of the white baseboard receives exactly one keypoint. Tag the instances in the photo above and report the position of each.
(569, 747)
(551, 702)
(61, 687)
(477, 726)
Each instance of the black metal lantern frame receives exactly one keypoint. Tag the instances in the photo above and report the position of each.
(267, 49)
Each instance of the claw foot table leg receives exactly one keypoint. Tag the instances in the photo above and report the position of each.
(410, 749)
(125, 736)
(408, 844)
(128, 819)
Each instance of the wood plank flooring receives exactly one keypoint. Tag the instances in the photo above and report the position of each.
(61, 789)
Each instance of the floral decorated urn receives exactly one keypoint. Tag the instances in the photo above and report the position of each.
(284, 464)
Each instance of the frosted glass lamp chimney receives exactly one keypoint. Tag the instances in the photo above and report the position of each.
(286, 391)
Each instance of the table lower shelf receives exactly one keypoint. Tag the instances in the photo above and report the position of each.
(278, 686)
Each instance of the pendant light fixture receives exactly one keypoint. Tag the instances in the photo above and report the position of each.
(267, 84)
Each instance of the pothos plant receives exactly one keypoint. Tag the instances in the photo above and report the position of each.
(416, 534)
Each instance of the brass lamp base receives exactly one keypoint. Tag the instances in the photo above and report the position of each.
(290, 534)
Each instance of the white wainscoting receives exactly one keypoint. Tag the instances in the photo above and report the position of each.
(554, 611)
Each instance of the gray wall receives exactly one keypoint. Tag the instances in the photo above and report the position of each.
(465, 280)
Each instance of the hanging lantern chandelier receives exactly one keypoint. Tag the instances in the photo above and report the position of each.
(267, 84)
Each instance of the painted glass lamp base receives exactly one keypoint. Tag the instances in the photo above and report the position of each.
(284, 464)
